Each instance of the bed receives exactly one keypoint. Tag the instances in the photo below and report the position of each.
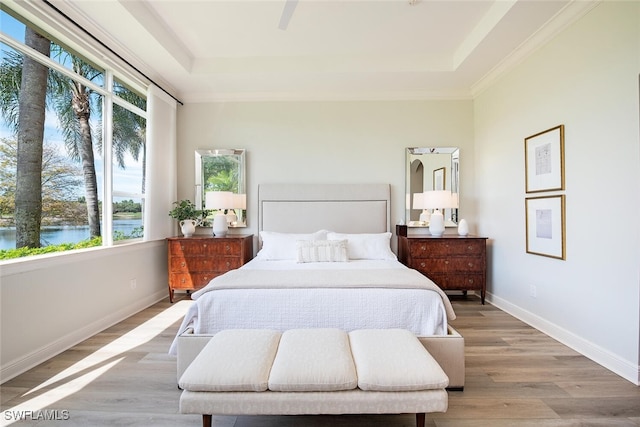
(324, 260)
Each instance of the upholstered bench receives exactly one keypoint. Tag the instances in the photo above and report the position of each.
(313, 371)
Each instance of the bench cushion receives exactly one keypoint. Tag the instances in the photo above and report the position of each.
(394, 360)
(313, 360)
(233, 360)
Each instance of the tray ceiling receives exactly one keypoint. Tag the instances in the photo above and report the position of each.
(351, 49)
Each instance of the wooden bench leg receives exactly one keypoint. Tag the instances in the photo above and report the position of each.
(206, 421)
(420, 420)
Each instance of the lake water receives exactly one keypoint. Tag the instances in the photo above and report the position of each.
(55, 235)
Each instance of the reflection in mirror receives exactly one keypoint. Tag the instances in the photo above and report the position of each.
(223, 170)
(431, 168)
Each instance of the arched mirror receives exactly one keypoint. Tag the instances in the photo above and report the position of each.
(432, 168)
(223, 170)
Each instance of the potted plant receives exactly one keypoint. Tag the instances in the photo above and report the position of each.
(187, 215)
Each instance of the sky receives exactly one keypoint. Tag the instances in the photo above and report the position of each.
(128, 180)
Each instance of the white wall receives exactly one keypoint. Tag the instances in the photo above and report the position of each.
(51, 302)
(325, 142)
(586, 79)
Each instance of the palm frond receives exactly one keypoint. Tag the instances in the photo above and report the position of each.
(10, 78)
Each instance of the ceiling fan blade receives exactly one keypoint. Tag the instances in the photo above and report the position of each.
(287, 13)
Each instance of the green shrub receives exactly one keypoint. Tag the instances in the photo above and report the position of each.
(22, 252)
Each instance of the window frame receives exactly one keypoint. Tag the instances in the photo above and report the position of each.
(109, 98)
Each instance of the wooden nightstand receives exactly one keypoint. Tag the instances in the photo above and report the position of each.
(453, 262)
(194, 261)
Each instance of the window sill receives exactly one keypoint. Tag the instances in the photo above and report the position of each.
(37, 262)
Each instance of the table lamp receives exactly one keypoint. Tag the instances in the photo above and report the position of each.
(219, 201)
(437, 200)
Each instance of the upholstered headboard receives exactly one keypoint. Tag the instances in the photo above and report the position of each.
(343, 208)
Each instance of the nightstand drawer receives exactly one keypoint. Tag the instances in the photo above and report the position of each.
(465, 281)
(465, 264)
(211, 248)
(448, 265)
(457, 281)
(194, 264)
(429, 265)
(432, 247)
(191, 281)
(466, 247)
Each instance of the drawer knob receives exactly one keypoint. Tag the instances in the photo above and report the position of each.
(228, 264)
(422, 264)
(470, 264)
(446, 261)
(423, 248)
(204, 245)
(183, 280)
(470, 248)
(470, 281)
(183, 264)
(227, 248)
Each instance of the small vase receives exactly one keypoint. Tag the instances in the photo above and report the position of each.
(188, 227)
(463, 227)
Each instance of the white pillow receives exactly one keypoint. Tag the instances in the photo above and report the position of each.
(322, 251)
(366, 245)
(278, 246)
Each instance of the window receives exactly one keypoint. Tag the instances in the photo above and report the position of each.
(89, 126)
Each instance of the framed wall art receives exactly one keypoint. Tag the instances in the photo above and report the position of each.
(544, 160)
(438, 179)
(545, 222)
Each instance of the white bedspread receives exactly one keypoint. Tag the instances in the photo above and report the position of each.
(285, 295)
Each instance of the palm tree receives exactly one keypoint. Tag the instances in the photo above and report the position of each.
(73, 103)
(129, 130)
(26, 111)
(221, 174)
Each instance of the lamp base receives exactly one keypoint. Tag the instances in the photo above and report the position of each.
(220, 226)
(436, 224)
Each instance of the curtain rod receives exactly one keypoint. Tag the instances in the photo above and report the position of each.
(110, 50)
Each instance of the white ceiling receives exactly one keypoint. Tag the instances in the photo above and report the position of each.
(206, 50)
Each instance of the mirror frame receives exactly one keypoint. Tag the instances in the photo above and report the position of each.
(452, 178)
(200, 157)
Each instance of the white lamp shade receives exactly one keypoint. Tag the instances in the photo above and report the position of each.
(455, 201)
(418, 200)
(216, 200)
(239, 201)
(438, 199)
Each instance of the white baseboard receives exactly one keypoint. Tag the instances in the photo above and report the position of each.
(16, 367)
(610, 361)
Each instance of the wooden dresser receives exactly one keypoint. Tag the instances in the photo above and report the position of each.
(194, 261)
(453, 262)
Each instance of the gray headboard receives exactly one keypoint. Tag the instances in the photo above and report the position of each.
(343, 208)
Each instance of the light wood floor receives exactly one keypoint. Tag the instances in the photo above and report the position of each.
(516, 376)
